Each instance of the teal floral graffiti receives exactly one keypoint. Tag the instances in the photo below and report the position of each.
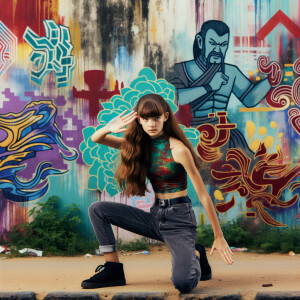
(103, 159)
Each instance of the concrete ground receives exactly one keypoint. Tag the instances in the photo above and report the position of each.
(250, 274)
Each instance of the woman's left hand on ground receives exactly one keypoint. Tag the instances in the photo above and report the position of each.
(221, 245)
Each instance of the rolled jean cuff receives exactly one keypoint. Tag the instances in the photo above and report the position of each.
(108, 248)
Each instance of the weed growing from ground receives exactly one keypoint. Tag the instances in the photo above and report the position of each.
(261, 238)
(136, 245)
(53, 232)
(56, 233)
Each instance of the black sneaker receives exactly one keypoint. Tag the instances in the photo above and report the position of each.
(109, 274)
(204, 265)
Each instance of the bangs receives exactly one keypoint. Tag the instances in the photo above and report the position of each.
(150, 109)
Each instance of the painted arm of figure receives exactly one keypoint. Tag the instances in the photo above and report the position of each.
(188, 95)
(183, 156)
(248, 93)
(115, 125)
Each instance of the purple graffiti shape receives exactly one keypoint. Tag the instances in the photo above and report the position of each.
(22, 136)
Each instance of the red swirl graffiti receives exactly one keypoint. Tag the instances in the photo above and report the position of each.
(295, 91)
(213, 137)
(273, 69)
(263, 184)
(294, 117)
(224, 207)
(278, 97)
(296, 66)
(296, 84)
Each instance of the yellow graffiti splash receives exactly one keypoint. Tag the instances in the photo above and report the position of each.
(254, 145)
(268, 141)
(250, 127)
(218, 195)
(262, 130)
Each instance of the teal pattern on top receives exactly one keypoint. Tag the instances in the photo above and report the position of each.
(165, 175)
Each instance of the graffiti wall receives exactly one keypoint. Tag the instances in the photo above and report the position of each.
(229, 70)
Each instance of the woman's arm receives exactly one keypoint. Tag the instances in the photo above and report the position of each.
(183, 156)
(101, 137)
(116, 125)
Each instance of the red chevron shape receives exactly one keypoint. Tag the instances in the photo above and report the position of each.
(279, 17)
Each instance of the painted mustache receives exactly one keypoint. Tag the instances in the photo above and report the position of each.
(216, 54)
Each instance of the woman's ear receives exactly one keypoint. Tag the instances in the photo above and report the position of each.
(166, 116)
(138, 119)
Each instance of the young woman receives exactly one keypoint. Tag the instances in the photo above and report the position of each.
(154, 146)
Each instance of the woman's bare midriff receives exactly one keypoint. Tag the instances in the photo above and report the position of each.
(171, 195)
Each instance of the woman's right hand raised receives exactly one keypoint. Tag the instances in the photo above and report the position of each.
(118, 123)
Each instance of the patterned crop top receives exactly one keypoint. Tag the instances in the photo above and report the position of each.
(165, 175)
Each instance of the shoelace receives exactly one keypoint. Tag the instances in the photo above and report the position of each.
(99, 268)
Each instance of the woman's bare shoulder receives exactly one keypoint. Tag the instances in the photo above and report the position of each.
(180, 152)
(175, 143)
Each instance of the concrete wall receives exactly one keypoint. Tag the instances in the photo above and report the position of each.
(62, 61)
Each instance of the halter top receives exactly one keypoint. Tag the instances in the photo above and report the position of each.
(165, 175)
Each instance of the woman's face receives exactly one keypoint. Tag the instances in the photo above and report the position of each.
(153, 126)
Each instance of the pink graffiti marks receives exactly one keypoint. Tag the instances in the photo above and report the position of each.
(213, 137)
(95, 80)
(262, 186)
(143, 203)
(8, 48)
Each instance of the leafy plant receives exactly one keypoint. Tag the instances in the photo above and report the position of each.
(56, 233)
(51, 231)
(261, 238)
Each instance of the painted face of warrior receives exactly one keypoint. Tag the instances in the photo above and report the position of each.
(215, 47)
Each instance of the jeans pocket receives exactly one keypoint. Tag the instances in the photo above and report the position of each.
(181, 215)
(192, 213)
(181, 208)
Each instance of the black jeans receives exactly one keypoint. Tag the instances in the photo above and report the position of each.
(175, 225)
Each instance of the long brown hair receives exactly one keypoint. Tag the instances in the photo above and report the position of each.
(131, 172)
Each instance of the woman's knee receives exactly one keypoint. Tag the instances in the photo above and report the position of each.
(184, 285)
(96, 209)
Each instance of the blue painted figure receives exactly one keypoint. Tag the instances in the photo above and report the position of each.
(206, 82)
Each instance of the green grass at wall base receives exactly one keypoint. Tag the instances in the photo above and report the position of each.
(136, 245)
(256, 237)
(57, 233)
(53, 232)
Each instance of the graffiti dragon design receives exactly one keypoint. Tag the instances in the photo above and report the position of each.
(22, 135)
(263, 186)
